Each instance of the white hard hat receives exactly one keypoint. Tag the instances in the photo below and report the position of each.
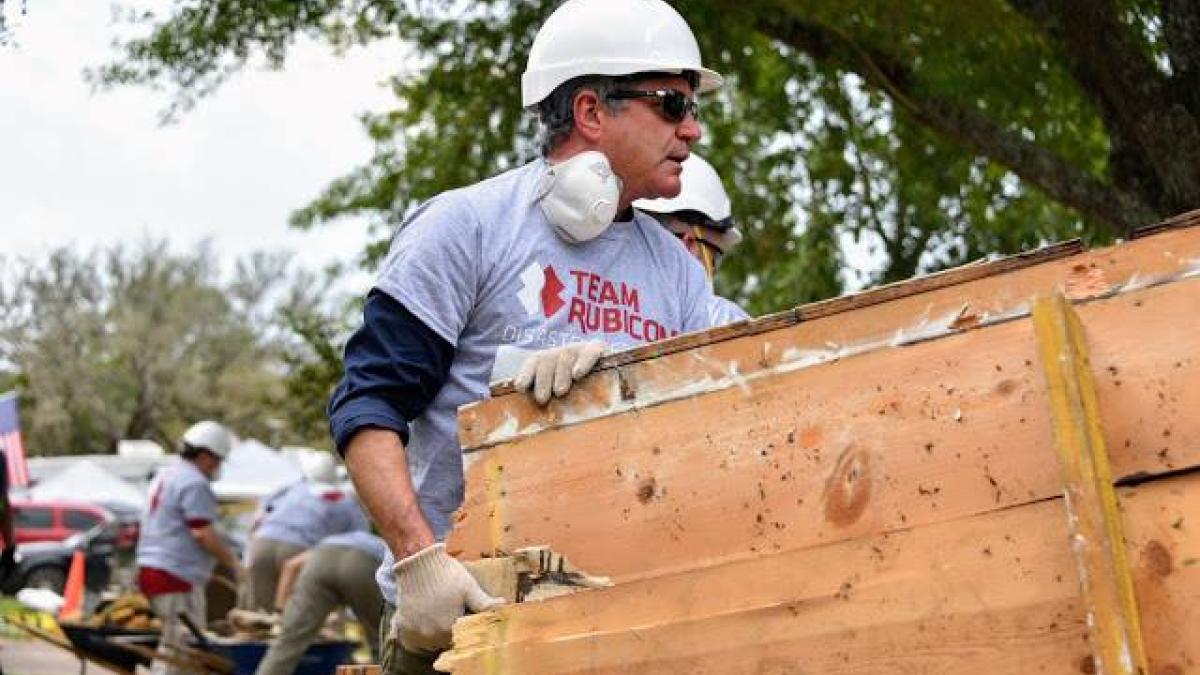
(320, 468)
(611, 37)
(211, 436)
(701, 191)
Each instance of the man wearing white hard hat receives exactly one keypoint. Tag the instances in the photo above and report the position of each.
(702, 218)
(179, 544)
(548, 260)
(293, 519)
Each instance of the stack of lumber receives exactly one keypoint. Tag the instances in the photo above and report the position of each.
(873, 484)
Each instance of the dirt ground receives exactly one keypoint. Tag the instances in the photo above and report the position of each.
(30, 657)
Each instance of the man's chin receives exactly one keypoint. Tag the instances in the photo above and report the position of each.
(668, 188)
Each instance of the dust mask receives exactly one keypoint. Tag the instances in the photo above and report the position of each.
(580, 196)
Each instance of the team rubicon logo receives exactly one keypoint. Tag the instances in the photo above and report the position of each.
(541, 289)
(595, 304)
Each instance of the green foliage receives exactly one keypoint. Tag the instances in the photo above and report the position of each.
(858, 138)
(141, 342)
(312, 356)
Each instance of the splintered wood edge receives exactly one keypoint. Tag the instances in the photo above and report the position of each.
(901, 289)
(1093, 517)
(951, 277)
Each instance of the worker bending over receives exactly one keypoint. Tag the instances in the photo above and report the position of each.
(338, 571)
(293, 520)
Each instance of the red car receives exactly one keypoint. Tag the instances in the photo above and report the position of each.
(54, 520)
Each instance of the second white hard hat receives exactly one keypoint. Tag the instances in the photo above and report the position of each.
(611, 37)
(701, 191)
(211, 436)
(320, 468)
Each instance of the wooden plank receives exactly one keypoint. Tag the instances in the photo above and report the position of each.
(994, 593)
(1188, 219)
(1098, 541)
(824, 335)
(980, 269)
(1162, 525)
(884, 441)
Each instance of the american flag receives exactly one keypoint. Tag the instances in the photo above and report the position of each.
(10, 441)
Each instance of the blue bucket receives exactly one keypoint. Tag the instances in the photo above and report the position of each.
(322, 658)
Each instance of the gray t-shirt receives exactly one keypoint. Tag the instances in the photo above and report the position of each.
(180, 499)
(723, 311)
(482, 268)
(303, 514)
(358, 540)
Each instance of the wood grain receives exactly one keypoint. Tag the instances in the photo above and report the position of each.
(883, 441)
(690, 363)
(995, 593)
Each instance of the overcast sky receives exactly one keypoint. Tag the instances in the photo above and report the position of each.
(91, 169)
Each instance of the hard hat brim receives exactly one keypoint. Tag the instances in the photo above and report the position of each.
(537, 85)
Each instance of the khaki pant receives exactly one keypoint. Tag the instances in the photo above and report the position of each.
(267, 557)
(168, 607)
(395, 659)
(332, 577)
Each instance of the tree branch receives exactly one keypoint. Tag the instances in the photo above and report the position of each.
(1065, 182)
(1155, 140)
(1181, 33)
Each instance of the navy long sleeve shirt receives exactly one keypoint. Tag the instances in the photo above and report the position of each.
(395, 366)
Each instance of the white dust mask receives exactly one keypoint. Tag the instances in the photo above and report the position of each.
(581, 196)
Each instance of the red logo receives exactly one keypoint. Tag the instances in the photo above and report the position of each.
(552, 293)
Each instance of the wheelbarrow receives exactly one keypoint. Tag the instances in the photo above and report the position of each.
(95, 646)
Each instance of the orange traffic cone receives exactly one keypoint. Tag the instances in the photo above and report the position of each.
(72, 609)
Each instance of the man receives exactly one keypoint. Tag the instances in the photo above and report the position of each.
(293, 520)
(179, 544)
(337, 571)
(550, 259)
(702, 218)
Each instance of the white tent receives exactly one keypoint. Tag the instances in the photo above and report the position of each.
(86, 481)
(254, 470)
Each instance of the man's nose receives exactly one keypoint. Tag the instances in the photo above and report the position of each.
(689, 130)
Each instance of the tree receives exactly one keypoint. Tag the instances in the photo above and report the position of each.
(6, 33)
(916, 135)
(141, 342)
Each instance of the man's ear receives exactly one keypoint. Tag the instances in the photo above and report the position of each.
(588, 109)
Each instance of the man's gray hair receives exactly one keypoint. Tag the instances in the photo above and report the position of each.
(556, 114)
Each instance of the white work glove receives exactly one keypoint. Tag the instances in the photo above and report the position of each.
(434, 590)
(555, 370)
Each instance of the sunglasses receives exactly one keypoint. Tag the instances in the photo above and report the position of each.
(674, 105)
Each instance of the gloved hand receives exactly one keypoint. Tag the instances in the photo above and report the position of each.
(555, 370)
(434, 590)
(8, 561)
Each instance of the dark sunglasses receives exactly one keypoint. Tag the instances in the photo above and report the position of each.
(674, 104)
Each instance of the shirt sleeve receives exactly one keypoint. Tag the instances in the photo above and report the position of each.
(395, 365)
(356, 518)
(698, 298)
(433, 267)
(199, 505)
(724, 311)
